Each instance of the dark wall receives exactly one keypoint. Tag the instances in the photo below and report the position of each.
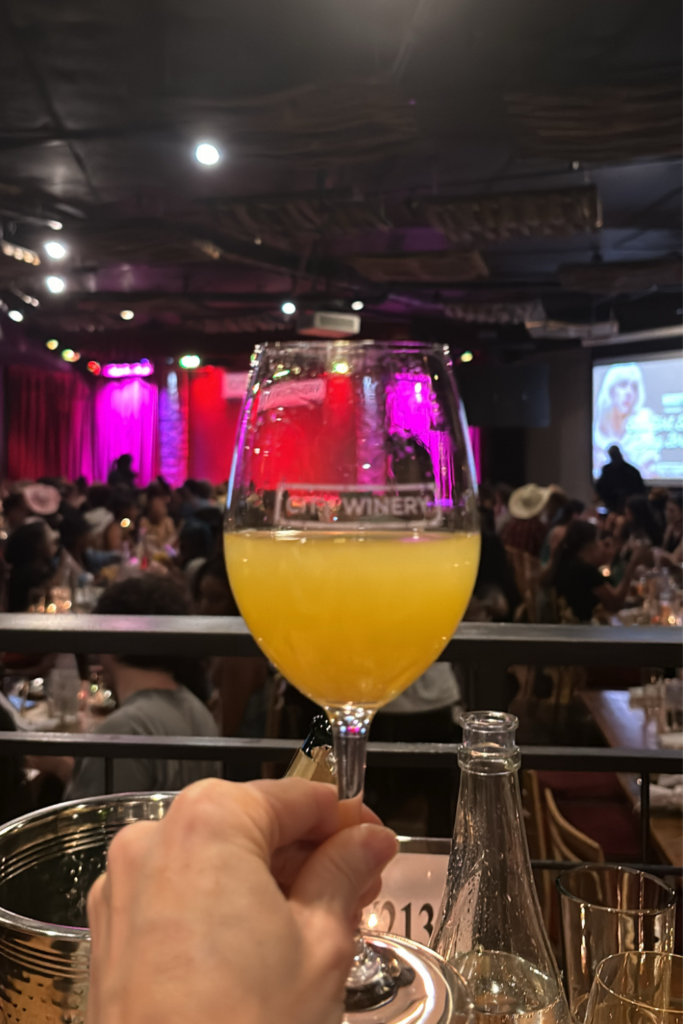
(504, 456)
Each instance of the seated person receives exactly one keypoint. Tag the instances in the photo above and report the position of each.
(527, 527)
(673, 515)
(15, 512)
(576, 577)
(640, 526)
(240, 681)
(195, 544)
(213, 517)
(30, 554)
(111, 513)
(196, 495)
(496, 595)
(558, 528)
(154, 699)
(501, 511)
(156, 526)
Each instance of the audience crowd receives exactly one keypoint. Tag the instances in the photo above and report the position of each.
(115, 548)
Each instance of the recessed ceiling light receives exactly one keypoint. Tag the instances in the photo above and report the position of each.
(208, 154)
(126, 314)
(52, 344)
(357, 306)
(16, 315)
(288, 308)
(55, 250)
(189, 362)
(466, 357)
(56, 225)
(56, 285)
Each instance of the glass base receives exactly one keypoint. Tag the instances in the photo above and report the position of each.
(414, 985)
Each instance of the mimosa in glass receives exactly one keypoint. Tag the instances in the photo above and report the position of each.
(352, 547)
(349, 617)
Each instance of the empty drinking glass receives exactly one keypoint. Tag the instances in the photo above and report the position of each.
(607, 910)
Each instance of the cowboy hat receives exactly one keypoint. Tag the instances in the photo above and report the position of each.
(529, 501)
(42, 499)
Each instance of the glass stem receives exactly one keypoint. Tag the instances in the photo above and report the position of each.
(369, 983)
(350, 728)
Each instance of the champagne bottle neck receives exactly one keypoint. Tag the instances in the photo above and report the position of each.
(490, 925)
(315, 760)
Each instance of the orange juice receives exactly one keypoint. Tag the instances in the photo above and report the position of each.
(352, 617)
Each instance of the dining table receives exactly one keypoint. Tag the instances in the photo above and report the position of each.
(629, 727)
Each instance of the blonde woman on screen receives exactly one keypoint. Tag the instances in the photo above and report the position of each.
(621, 418)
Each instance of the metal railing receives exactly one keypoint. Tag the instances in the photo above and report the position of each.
(231, 751)
(484, 649)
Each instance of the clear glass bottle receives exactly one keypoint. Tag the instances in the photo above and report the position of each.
(490, 925)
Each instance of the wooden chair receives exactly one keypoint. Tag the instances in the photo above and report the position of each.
(534, 821)
(566, 841)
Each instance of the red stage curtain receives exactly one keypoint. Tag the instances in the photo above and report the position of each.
(211, 427)
(49, 424)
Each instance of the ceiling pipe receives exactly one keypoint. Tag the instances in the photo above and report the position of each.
(652, 334)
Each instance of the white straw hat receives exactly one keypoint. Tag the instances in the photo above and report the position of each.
(529, 501)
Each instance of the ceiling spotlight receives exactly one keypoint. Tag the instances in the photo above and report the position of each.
(56, 225)
(126, 314)
(17, 252)
(189, 362)
(357, 306)
(56, 285)
(466, 357)
(52, 344)
(69, 356)
(55, 250)
(94, 367)
(288, 308)
(16, 315)
(206, 153)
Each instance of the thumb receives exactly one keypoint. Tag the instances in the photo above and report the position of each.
(345, 867)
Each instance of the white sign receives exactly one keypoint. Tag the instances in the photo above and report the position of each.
(234, 385)
(408, 905)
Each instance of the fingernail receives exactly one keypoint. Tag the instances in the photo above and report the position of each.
(380, 842)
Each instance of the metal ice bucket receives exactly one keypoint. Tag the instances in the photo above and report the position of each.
(48, 861)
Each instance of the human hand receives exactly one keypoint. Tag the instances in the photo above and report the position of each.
(240, 905)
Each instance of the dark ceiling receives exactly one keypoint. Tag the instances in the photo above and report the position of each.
(463, 167)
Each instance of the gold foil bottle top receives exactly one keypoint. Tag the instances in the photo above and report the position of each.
(315, 760)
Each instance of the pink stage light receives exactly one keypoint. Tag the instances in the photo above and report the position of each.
(142, 369)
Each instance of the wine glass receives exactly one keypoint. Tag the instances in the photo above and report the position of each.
(637, 988)
(352, 547)
(605, 909)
